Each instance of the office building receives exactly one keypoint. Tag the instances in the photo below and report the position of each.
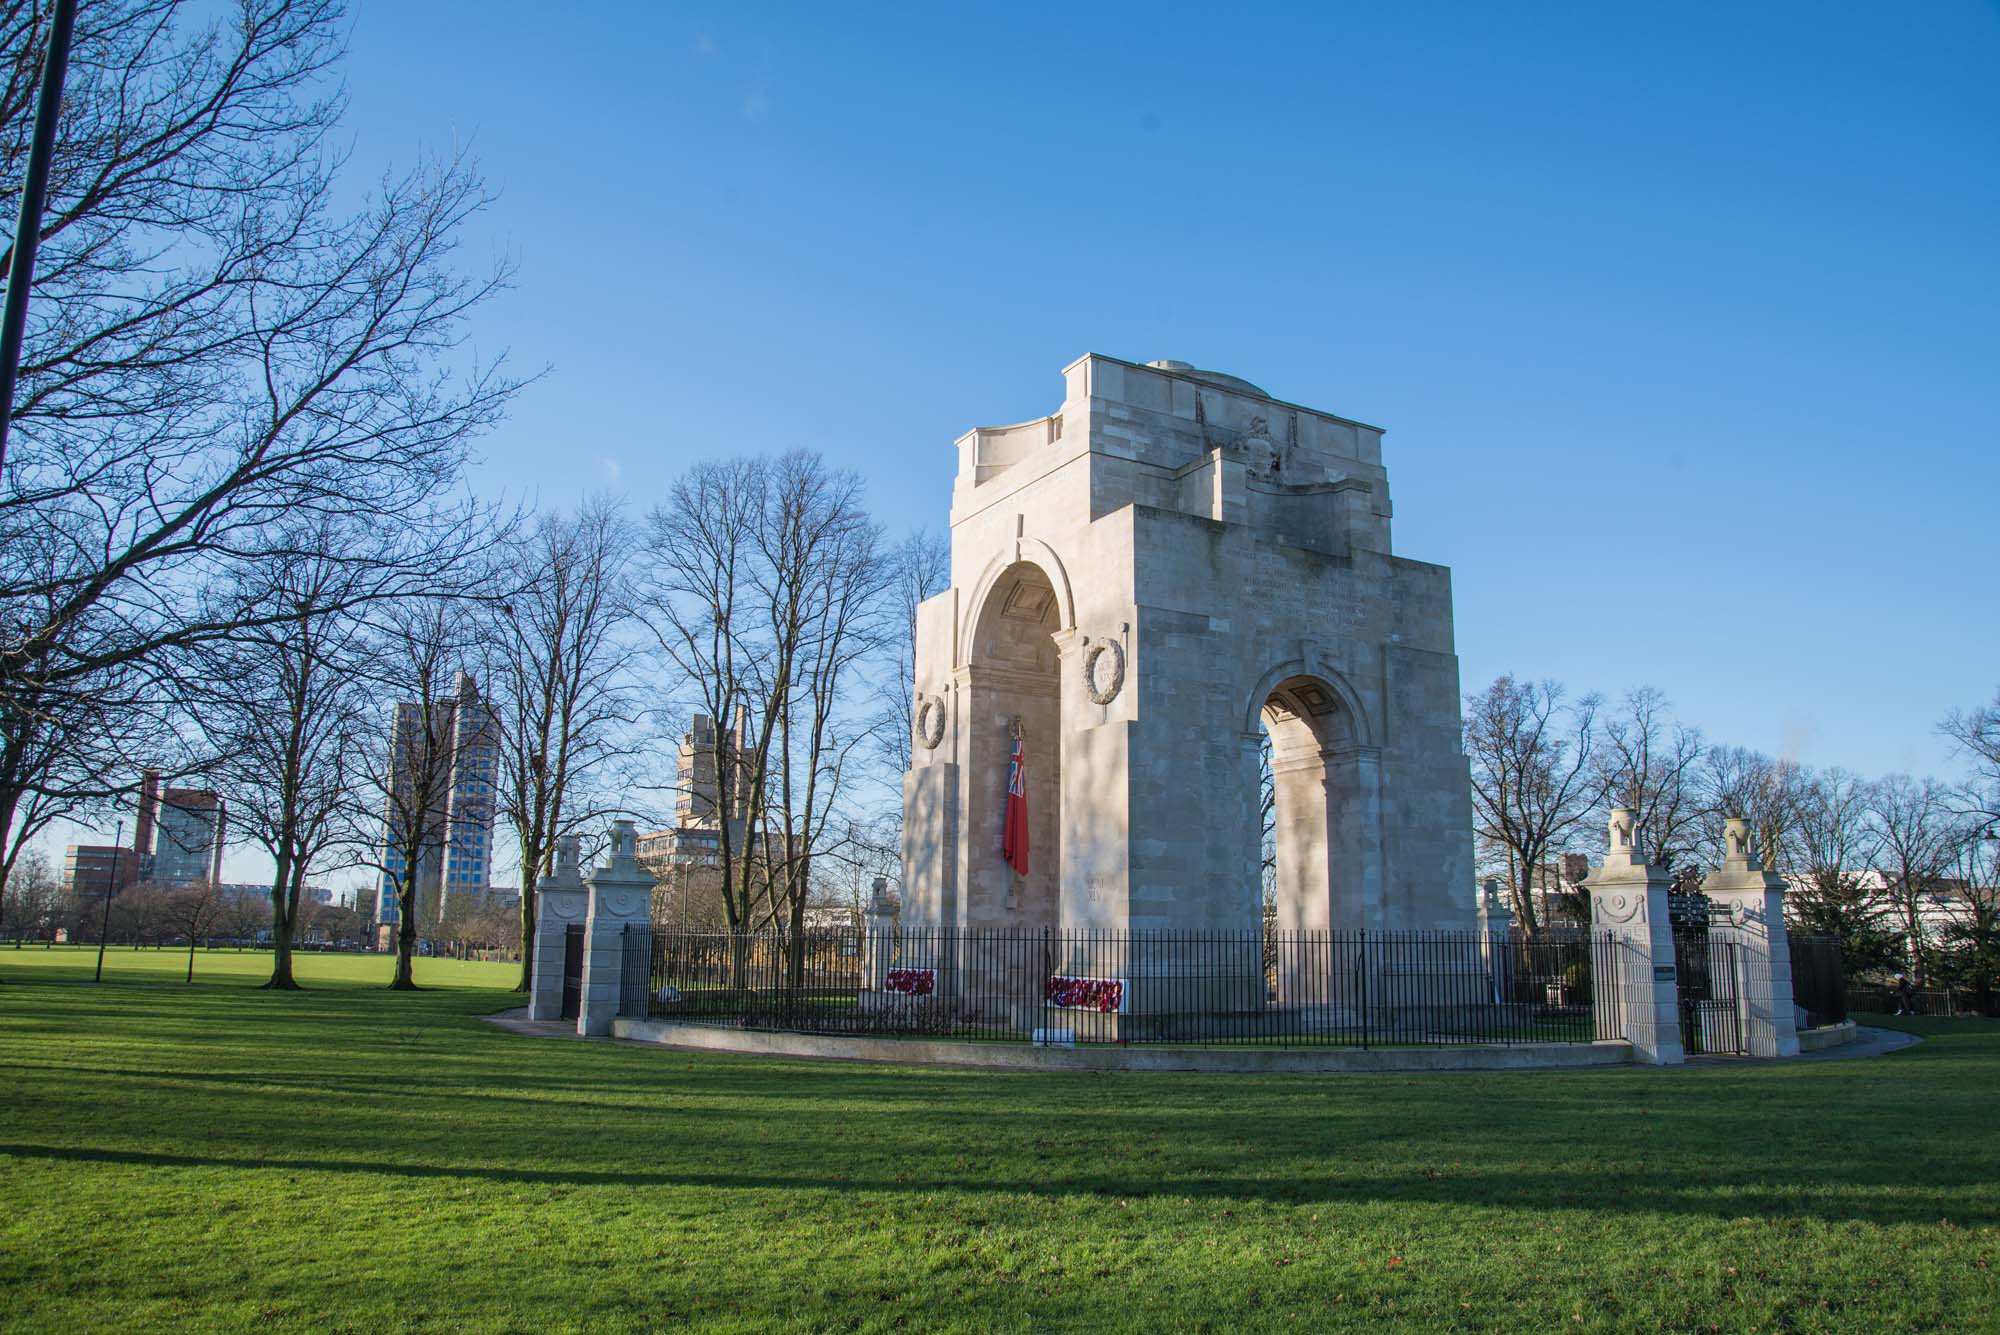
(695, 838)
(91, 871)
(188, 837)
(459, 753)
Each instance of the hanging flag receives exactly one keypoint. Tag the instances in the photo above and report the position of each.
(1014, 833)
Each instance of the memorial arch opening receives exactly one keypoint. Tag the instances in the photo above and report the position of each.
(1323, 858)
(1013, 690)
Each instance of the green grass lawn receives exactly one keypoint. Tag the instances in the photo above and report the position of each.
(124, 964)
(350, 1159)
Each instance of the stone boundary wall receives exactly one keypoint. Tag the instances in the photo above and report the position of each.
(1022, 1057)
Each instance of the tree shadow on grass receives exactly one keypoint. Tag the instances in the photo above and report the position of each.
(1876, 1198)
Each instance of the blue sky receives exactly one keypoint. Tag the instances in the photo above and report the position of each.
(1681, 319)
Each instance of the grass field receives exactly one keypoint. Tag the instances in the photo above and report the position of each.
(349, 1159)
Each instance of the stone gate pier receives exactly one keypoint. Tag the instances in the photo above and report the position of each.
(585, 967)
(1628, 899)
(1750, 902)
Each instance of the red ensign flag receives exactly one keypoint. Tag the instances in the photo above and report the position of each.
(1014, 833)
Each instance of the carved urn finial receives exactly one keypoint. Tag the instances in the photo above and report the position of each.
(1739, 848)
(1624, 835)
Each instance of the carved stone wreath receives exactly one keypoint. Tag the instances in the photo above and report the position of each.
(928, 721)
(1102, 686)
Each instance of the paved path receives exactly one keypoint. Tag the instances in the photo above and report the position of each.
(1867, 1042)
(516, 1021)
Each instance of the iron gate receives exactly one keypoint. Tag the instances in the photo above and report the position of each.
(572, 971)
(1705, 980)
(635, 978)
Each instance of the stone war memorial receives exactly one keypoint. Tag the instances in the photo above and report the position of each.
(1160, 587)
(1143, 582)
(1147, 579)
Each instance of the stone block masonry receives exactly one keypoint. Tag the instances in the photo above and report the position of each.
(1152, 580)
(560, 901)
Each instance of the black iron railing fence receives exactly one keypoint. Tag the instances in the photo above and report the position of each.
(1819, 979)
(1876, 998)
(1363, 989)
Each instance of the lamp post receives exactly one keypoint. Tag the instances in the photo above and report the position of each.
(110, 889)
(28, 227)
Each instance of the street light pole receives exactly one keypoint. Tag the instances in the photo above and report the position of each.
(110, 889)
(28, 227)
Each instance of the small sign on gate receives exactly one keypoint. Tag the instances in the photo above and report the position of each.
(1663, 973)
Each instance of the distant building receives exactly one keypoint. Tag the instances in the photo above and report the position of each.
(91, 871)
(695, 838)
(180, 833)
(457, 857)
(503, 897)
(308, 894)
(187, 844)
(1943, 904)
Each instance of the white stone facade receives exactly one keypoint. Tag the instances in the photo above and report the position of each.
(1149, 578)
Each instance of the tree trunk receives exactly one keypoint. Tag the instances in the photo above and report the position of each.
(191, 940)
(281, 957)
(527, 934)
(406, 940)
(281, 930)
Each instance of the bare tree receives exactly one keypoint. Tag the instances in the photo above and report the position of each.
(1649, 761)
(1736, 782)
(1918, 836)
(216, 358)
(1832, 852)
(136, 916)
(1833, 845)
(287, 712)
(699, 611)
(561, 671)
(32, 896)
(824, 595)
(193, 911)
(1976, 735)
(918, 568)
(60, 754)
(1970, 941)
(1532, 778)
(767, 593)
(438, 728)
